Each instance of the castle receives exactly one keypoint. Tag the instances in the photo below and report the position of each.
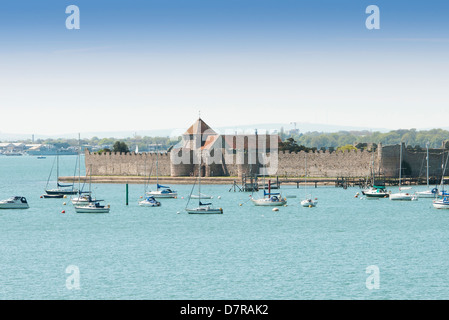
(237, 155)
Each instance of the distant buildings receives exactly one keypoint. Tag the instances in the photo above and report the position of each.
(34, 149)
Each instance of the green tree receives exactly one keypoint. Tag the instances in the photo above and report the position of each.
(120, 147)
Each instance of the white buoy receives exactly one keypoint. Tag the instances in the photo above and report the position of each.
(218, 197)
(275, 209)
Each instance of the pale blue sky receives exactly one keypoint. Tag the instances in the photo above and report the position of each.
(142, 65)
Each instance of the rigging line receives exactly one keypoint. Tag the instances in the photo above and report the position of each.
(52, 166)
(190, 195)
(149, 177)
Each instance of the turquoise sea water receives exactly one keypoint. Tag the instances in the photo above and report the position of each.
(246, 253)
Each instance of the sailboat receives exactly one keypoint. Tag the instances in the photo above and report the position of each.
(149, 200)
(86, 204)
(443, 202)
(270, 198)
(377, 190)
(161, 191)
(308, 201)
(429, 193)
(203, 208)
(62, 189)
(403, 196)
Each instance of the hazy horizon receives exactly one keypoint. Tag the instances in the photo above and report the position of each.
(156, 64)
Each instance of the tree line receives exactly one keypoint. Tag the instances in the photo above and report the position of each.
(411, 137)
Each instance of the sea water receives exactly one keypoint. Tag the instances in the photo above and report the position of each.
(248, 252)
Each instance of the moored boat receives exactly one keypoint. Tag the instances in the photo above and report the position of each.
(309, 202)
(92, 207)
(149, 201)
(441, 203)
(16, 202)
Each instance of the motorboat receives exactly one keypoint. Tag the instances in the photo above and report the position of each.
(309, 202)
(16, 202)
(92, 207)
(149, 201)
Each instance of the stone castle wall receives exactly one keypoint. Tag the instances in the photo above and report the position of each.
(129, 164)
(319, 164)
(328, 164)
(416, 160)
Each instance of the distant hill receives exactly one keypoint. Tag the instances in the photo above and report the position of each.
(303, 127)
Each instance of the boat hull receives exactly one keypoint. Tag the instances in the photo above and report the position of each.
(205, 211)
(13, 206)
(63, 192)
(86, 209)
(268, 203)
(402, 197)
(53, 196)
(425, 194)
(160, 195)
(309, 203)
(441, 204)
(149, 204)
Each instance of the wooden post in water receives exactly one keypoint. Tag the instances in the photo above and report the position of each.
(126, 194)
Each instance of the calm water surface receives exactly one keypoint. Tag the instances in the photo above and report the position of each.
(246, 253)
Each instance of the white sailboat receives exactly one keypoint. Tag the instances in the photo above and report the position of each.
(161, 191)
(429, 193)
(203, 208)
(402, 196)
(443, 202)
(149, 200)
(85, 203)
(308, 201)
(270, 198)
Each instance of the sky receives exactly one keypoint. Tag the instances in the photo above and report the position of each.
(158, 64)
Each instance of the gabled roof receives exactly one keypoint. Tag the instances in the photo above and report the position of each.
(199, 127)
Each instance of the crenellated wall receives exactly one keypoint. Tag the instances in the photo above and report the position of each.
(129, 164)
(353, 163)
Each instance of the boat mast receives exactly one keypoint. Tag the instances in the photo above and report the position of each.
(157, 167)
(57, 168)
(79, 164)
(427, 158)
(400, 167)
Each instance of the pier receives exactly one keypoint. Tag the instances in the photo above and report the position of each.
(248, 185)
